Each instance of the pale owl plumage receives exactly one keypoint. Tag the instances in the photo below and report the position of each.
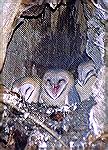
(86, 79)
(56, 87)
(89, 84)
(28, 87)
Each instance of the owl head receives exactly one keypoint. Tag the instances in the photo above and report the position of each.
(55, 82)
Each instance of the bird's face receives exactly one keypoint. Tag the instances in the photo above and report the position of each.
(55, 83)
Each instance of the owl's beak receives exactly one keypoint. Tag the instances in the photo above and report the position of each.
(55, 88)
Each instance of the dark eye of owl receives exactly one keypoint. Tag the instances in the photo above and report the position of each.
(48, 80)
(61, 80)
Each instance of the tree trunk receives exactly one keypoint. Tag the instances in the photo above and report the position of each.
(9, 10)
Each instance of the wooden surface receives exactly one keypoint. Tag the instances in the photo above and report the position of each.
(10, 9)
(57, 33)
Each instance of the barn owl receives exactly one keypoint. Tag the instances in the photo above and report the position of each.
(91, 84)
(28, 87)
(86, 79)
(56, 87)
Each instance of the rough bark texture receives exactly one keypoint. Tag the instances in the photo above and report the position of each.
(106, 63)
(57, 39)
(9, 11)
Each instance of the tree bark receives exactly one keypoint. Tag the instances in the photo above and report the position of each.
(9, 10)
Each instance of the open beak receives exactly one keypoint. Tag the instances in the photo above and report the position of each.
(55, 88)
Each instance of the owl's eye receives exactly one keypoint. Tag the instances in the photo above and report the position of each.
(61, 80)
(48, 80)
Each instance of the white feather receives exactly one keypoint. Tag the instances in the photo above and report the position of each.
(61, 97)
(28, 87)
(86, 79)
